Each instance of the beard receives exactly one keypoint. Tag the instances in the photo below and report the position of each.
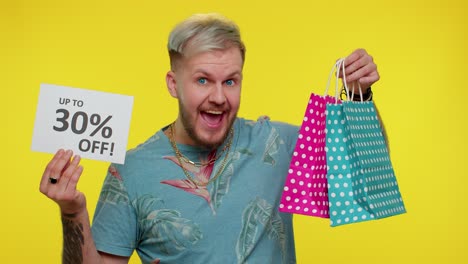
(190, 130)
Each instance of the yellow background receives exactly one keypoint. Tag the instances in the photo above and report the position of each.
(120, 47)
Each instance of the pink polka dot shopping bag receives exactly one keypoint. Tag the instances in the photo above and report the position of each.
(305, 190)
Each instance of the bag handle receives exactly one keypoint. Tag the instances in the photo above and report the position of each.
(340, 66)
(336, 67)
(346, 86)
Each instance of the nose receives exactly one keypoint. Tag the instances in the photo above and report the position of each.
(217, 95)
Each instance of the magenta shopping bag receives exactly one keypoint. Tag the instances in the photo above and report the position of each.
(305, 190)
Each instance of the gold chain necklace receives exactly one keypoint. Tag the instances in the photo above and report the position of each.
(181, 157)
(210, 161)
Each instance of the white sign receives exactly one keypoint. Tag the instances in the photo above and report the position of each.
(93, 124)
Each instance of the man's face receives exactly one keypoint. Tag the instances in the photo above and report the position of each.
(208, 87)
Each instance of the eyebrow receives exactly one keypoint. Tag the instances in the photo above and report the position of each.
(233, 74)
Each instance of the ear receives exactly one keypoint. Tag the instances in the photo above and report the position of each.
(171, 83)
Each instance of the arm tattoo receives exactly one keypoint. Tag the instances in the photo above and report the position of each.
(73, 240)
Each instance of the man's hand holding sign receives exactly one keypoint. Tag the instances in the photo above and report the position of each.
(90, 124)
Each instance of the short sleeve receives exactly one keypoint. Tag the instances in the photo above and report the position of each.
(114, 225)
(288, 133)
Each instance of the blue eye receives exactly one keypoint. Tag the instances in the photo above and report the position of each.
(230, 82)
(202, 80)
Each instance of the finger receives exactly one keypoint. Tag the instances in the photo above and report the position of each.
(367, 81)
(68, 172)
(47, 171)
(66, 164)
(63, 161)
(74, 178)
(354, 56)
(355, 66)
(354, 61)
(366, 70)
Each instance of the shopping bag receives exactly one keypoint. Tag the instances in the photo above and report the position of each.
(305, 189)
(361, 182)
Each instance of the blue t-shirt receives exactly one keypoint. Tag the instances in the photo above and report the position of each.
(150, 206)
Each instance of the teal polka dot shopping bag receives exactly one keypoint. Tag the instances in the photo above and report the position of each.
(361, 182)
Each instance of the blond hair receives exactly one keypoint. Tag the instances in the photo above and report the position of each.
(201, 33)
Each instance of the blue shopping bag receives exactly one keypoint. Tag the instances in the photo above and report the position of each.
(361, 182)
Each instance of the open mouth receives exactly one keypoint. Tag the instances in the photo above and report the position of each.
(212, 118)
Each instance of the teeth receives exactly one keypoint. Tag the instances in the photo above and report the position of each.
(214, 112)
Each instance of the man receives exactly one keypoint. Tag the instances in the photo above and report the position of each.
(204, 189)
